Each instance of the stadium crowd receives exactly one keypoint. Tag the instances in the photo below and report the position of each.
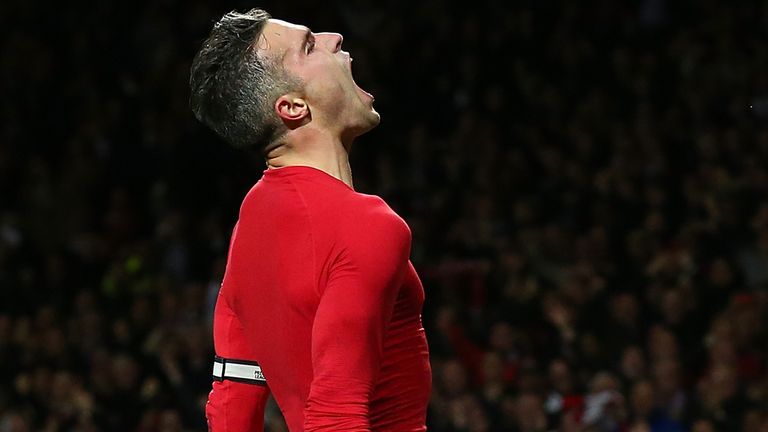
(586, 183)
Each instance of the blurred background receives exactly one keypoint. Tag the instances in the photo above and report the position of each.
(586, 182)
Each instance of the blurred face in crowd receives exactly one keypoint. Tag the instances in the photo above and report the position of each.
(454, 378)
(560, 377)
(330, 96)
(662, 343)
(624, 309)
(493, 368)
(603, 381)
(673, 307)
(722, 352)
(530, 413)
(642, 399)
(666, 375)
(633, 362)
(720, 274)
(640, 427)
(723, 383)
(746, 322)
(502, 337)
(703, 426)
(170, 421)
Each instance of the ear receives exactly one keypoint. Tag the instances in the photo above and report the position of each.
(292, 109)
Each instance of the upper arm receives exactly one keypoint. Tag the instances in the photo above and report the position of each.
(351, 319)
(362, 286)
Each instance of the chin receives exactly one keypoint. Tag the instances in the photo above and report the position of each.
(366, 123)
(375, 118)
(372, 119)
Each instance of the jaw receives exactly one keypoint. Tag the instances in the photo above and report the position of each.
(365, 123)
(345, 107)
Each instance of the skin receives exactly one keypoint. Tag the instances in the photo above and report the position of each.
(326, 116)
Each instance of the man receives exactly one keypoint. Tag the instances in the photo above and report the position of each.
(320, 304)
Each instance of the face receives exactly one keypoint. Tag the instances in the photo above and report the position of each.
(642, 399)
(332, 97)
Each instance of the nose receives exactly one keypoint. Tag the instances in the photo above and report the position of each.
(331, 40)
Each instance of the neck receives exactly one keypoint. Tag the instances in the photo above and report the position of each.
(315, 149)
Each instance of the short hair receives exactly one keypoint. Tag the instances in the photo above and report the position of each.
(233, 87)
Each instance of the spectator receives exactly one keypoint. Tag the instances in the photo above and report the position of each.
(587, 189)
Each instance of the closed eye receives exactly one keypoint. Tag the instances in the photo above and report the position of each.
(309, 41)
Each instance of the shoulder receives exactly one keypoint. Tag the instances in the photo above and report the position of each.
(272, 201)
(371, 219)
(372, 210)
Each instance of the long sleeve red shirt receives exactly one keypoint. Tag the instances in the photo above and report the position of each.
(319, 290)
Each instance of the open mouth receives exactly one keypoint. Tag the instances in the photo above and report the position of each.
(356, 85)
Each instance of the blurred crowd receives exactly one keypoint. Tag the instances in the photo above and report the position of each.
(586, 183)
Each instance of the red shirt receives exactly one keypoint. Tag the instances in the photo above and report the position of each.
(320, 291)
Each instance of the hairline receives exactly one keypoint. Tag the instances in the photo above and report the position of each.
(265, 54)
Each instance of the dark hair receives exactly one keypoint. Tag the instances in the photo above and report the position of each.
(233, 88)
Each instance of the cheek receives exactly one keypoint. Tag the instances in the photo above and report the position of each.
(325, 75)
(326, 88)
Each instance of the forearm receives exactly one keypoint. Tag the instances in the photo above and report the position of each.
(338, 404)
